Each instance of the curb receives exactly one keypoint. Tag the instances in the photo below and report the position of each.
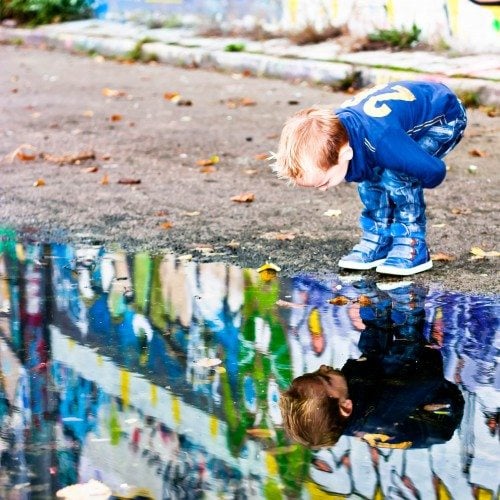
(261, 65)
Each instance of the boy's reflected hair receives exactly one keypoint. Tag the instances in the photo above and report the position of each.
(310, 416)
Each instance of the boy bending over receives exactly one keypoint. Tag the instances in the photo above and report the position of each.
(391, 140)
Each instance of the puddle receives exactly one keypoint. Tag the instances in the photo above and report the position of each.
(109, 370)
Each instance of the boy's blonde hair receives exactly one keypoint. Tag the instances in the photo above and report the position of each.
(310, 416)
(311, 138)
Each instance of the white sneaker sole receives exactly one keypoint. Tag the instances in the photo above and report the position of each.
(359, 266)
(401, 271)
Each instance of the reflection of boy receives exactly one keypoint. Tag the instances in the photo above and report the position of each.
(394, 395)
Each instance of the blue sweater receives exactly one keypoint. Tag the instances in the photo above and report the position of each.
(385, 122)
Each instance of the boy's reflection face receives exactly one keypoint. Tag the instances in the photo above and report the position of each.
(332, 381)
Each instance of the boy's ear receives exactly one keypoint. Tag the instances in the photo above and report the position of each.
(346, 408)
(346, 154)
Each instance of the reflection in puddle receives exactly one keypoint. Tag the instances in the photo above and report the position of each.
(100, 378)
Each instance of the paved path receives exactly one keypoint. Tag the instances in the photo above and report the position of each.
(324, 63)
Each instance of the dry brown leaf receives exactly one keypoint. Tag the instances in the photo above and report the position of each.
(477, 153)
(260, 433)
(115, 118)
(340, 300)
(161, 213)
(243, 198)
(106, 156)
(233, 244)
(460, 211)
(208, 169)
(213, 160)
(442, 257)
(166, 225)
(25, 152)
(289, 305)
(113, 92)
(39, 183)
(172, 96)
(91, 170)
(237, 102)
(208, 362)
(279, 235)
(364, 300)
(105, 180)
(69, 159)
(129, 181)
(262, 156)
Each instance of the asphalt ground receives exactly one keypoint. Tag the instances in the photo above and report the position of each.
(58, 105)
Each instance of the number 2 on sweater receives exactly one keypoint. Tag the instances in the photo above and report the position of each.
(374, 105)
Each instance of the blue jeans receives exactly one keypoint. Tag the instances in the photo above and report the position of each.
(393, 202)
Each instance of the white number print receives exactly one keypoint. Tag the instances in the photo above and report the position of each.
(375, 104)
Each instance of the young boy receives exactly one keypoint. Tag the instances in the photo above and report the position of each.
(394, 396)
(390, 139)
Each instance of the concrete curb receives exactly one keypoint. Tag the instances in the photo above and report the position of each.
(263, 65)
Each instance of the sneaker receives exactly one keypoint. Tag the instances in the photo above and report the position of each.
(368, 253)
(408, 256)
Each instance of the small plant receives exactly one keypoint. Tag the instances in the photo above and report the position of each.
(310, 35)
(35, 12)
(396, 39)
(235, 47)
(136, 53)
(469, 98)
(350, 83)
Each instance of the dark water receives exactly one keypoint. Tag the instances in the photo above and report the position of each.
(100, 377)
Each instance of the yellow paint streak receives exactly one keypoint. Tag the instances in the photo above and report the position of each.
(389, 6)
(293, 7)
(154, 394)
(271, 465)
(453, 9)
(176, 410)
(125, 387)
(214, 426)
(335, 9)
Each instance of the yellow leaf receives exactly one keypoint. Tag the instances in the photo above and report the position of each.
(341, 300)
(105, 180)
(39, 183)
(243, 198)
(166, 225)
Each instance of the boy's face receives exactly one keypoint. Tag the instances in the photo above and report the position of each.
(323, 179)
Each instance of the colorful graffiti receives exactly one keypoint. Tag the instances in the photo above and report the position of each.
(104, 375)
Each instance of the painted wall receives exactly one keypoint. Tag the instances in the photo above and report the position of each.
(464, 25)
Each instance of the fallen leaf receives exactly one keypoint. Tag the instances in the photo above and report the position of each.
(25, 152)
(233, 244)
(91, 170)
(262, 156)
(69, 159)
(289, 305)
(479, 253)
(260, 433)
(166, 225)
(191, 214)
(129, 181)
(116, 118)
(39, 183)
(237, 102)
(442, 257)
(113, 92)
(477, 153)
(269, 266)
(106, 156)
(340, 300)
(105, 180)
(243, 198)
(279, 235)
(472, 169)
(172, 96)
(207, 362)
(333, 213)
(460, 211)
(161, 213)
(251, 171)
(214, 159)
(208, 169)
(364, 300)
